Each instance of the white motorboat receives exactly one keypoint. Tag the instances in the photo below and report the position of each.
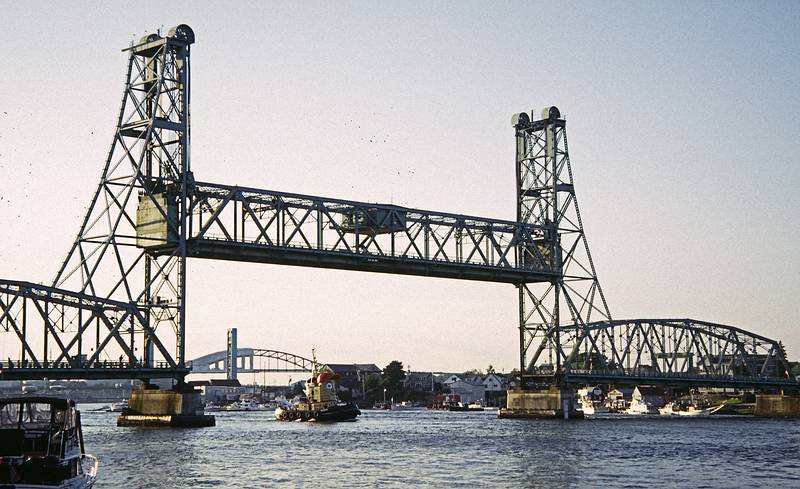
(41, 445)
(590, 407)
(638, 407)
(691, 410)
(405, 406)
(668, 410)
(118, 407)
(249, 405)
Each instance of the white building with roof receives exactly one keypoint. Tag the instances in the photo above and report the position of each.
(494, 383)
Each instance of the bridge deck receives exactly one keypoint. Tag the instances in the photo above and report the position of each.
(93, 373)
(676, 380)
(298, 256)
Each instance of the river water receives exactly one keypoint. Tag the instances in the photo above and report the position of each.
(443, 449)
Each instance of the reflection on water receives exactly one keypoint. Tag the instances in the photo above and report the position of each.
(443, 449)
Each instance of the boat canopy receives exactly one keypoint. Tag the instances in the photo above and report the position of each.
(38, 426)
(56, 402)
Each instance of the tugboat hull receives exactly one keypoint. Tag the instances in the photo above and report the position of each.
(320, 402)
(339, 412)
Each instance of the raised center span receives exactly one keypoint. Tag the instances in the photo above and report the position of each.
(255, 225)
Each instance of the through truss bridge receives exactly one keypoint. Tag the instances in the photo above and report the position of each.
(674, 352)
(247, 224)
(52, 325)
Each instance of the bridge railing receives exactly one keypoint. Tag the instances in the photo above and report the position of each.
(11, 364)
(645, 374)
(57, 327)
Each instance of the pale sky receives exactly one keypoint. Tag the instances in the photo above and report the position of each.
(681, 122)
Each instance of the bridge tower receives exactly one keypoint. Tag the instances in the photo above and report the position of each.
(131, 245)
(553, 314)
(232, 355)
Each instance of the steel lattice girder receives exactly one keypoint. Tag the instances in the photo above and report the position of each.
(49, 319)
(672, 351)
(246, 224)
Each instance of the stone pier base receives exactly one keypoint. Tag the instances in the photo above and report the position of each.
(150, 406)
(553, 403)
(777, 406)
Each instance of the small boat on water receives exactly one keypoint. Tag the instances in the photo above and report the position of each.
(118, 407)
(692, 410)
(248, 405)
(212, 407)
(406, 406)
(41, 445)
(639, 408)
(591, 407)
(460, 406)
(320, 402)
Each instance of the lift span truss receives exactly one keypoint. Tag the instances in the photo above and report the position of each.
(670, 351)
(148, 214)
(246, 224)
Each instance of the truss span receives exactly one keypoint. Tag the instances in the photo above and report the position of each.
(65, 334)
(670, 351)
(270, 361)
(257, 225)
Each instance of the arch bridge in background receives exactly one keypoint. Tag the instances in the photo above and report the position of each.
(276, 361)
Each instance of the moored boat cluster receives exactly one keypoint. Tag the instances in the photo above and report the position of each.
(650, 400)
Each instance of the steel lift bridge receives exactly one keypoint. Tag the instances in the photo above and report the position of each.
(116, 307)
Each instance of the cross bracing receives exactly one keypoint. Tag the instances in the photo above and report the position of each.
(546, 197)
(142, 197)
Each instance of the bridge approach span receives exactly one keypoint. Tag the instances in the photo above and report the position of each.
(681, 352)
(51, 325)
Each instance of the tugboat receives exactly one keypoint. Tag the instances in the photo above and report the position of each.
(320, 402)
(41, 445)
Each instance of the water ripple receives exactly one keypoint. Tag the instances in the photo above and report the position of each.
(440, 449)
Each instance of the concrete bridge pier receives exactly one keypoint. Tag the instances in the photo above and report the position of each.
(181, 406)
(550, 403)
(778, 405)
